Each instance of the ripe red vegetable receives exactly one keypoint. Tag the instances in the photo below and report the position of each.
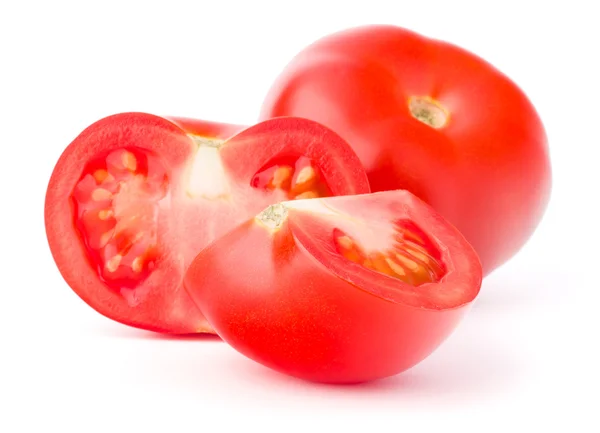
(432, 118)
(339, 289)
(135, 197)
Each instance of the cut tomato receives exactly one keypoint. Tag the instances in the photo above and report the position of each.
(338, 289)
(135, 197)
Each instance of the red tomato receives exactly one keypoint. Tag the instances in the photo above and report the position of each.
(135, 197)
(432, 118)
(339, 289)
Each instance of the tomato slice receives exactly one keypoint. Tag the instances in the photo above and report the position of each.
(338, 289)
(135, 197)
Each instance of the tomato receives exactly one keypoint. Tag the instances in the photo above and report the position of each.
(135, 197)
(338, 289)
(432, 118)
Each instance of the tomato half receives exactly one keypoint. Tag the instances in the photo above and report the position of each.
(135, 197)
(432, 118)
(339, 289)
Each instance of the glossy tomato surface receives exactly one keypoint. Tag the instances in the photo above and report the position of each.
(135, 197)
(339, 289)
(432, 118)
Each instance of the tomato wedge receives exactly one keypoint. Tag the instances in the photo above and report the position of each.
(338, 289)
(135, 197)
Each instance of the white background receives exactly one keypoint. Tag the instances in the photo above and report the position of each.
(524, 359)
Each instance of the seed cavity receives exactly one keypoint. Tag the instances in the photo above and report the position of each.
(295, 176)
(414, 263)
(117, 202)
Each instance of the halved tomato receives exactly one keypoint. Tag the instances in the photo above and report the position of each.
(135, 197)
(338, 289)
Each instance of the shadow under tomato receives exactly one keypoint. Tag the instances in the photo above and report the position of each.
(182, 337)
(126, 332)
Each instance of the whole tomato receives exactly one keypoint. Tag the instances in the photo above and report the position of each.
(432, 118)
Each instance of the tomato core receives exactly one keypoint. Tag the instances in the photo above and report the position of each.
(297, 176)
(116, 204)
(428, 111)
(412, 258)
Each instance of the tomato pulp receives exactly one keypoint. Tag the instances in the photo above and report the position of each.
(135, 197)
(432, 118)
(338, 289)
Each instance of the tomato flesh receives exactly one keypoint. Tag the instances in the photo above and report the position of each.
(338, 289)
(135, 197)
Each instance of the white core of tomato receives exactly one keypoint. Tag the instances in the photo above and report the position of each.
(207, 175)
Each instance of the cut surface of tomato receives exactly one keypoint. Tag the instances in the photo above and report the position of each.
(338, 289)
(135, 197)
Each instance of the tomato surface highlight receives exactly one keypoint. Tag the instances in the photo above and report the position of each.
(427, 116)
(135, 197)
(338, 289)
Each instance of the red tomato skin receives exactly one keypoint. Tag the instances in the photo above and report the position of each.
(277, 305)
(487, 171)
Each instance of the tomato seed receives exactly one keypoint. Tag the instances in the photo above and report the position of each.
(129, 161)
(345, 242)
(105, 214)
(113, 264)
(305, 174)
(307, 194)
(281, 175)
(408, 263)
(101, 194)
(137, 264)
(399, 270)
(101, 175)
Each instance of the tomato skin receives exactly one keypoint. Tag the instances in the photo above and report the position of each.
(186, 223)
(278, 305)
(487, 171)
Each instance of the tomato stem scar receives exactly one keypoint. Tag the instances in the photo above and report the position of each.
(428, 111)
(273, 216)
